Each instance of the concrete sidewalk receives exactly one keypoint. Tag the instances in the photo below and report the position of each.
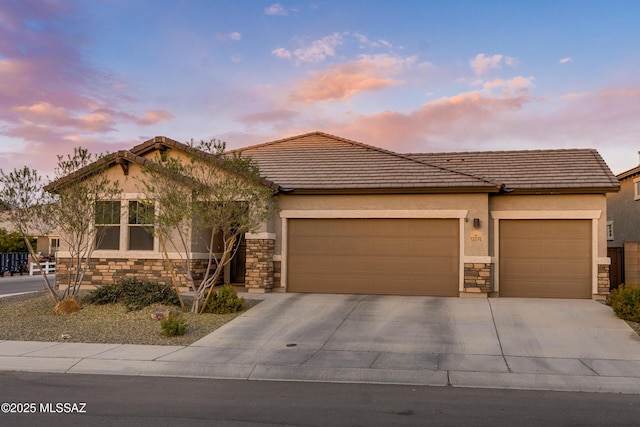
(564, 345)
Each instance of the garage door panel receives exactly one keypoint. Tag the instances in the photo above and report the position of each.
(373, 256)
(545, 258)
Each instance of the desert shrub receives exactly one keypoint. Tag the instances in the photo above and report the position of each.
(224, 300)
(625, 302)
(134, 294)
(173, 326)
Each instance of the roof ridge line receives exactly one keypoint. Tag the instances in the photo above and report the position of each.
(499, 185)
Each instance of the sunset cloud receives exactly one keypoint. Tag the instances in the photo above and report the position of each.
(154, 116)
(346, 80)
(234, 36)
(276, 9)
(281, 53)
(318, 50)
(51, 95)
(482, 64)
(476, 120)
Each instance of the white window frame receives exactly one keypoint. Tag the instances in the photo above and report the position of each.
(636, 185)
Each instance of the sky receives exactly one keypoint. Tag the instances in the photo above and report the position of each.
(408, 76)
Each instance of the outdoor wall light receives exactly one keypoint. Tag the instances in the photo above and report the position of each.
(476, 222)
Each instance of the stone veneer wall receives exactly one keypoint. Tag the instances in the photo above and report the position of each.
(106, 271)
(277, 274)
(259, 266)
(604, 284)
(478, 277)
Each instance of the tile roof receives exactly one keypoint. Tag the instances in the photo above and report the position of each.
(629, 174)
(319, 162)
(567, 170)
(322, 162)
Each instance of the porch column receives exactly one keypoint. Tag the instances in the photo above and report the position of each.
(259, 263)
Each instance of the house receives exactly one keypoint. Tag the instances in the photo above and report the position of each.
(354, 218)
(623, 229)
(46, 244)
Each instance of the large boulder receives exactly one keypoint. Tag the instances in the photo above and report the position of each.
(70, 304)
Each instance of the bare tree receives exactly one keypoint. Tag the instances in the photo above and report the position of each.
(211, 195)
(79, 186)
(26, 200)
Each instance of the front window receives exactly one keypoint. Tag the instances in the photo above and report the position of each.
(141, 218)
(55, 245)
(107, 221)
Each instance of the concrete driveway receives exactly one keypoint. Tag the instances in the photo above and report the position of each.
(570, 345)
(508, 335)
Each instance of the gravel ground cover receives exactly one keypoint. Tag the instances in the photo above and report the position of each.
(30, 317)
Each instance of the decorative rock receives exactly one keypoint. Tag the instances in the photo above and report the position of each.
(161, 313)
(70, 304)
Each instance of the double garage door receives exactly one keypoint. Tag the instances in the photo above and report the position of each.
(538, 258)
(374, 256)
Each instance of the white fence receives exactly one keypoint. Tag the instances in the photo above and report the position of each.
(48, 267)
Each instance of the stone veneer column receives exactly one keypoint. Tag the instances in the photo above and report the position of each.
(478, 278)
(259, 264)
(604, 284)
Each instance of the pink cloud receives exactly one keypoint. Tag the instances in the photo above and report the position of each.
(318, 50)
(233, 36)
(481, 64)
(154, 116)
(346, 80)
(281, 53)
(276, 9)
(51, 94)
(271, 116)
(605, 120)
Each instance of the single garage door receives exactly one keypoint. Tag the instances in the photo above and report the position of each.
(373, 256)
(545, 258)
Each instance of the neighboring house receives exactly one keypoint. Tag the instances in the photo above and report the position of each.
(623, 229)
(45, 244)
(360, 219)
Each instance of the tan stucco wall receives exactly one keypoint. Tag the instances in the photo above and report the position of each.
(475, 204)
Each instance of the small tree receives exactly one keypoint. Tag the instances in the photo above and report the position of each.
(13, 241)
(23, 194)
(212, 194)
(79, 185)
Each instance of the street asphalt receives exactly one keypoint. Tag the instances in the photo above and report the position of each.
(512, 343)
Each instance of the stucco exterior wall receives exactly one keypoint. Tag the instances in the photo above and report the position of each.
(624, 211)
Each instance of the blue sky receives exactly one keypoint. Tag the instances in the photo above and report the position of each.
(410, 76)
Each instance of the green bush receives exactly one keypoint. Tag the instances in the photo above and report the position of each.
(625, 302)
(173, 326)
(224, 301)
(134, 294)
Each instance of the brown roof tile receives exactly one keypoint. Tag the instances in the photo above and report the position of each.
(318, 161)
(568, 170)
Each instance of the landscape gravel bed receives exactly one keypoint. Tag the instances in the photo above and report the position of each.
(30, 317)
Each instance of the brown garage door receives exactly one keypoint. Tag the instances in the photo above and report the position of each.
(373, 256)
(545, 258)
